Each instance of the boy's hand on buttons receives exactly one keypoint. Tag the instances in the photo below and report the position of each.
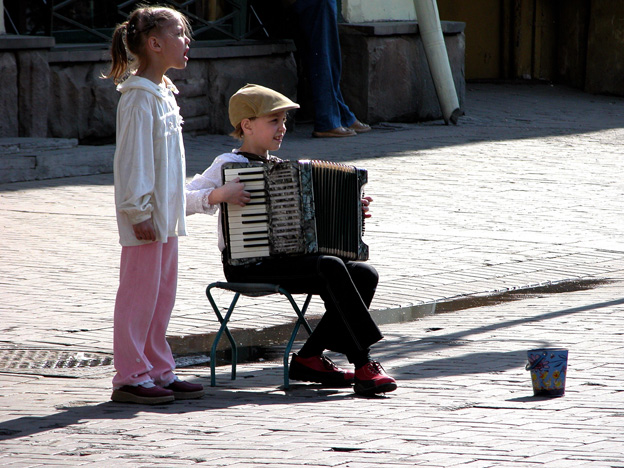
(366, 201)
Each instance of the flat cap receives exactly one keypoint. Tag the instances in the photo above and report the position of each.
(253, 100)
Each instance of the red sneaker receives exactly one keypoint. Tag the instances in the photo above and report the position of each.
(319, 369)
(371, 379)
(185, 390)
(144, 394)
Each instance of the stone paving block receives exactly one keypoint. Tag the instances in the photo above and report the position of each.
(492, 204)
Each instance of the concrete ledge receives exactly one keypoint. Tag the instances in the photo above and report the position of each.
(208, 50)
(15, 42)
(79, 53)
(392, 28)
(199, 50)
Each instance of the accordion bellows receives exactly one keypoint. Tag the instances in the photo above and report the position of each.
(296, 208)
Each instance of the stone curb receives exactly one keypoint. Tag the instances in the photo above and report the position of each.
(276, 335)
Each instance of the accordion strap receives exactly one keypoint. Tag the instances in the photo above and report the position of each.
(255, 157)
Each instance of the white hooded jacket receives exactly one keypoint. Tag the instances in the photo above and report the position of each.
(149, 165)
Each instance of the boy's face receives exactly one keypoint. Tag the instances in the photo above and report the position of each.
(266, 133)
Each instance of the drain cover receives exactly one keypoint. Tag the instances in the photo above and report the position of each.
(53, 362)
(70, 363)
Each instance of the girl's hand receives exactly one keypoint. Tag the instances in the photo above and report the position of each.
(145, 230)
(232, 192)
(366, 201)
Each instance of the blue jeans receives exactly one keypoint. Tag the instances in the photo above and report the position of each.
(321, 57)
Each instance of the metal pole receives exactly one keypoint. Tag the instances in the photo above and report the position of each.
(437, 57)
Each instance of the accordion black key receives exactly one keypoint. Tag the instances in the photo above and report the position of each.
(296, 208)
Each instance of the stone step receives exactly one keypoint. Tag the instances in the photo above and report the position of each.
(29, 145)
(24, 159)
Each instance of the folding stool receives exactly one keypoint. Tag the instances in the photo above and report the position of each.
(252, 290)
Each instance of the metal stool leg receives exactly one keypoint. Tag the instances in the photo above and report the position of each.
(223, 321)
(300, 321)
(252, 289)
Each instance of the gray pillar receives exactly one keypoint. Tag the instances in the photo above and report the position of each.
(8, 95)
(34, 92)
(2, 28)
(24, 94)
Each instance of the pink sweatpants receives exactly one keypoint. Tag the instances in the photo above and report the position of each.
(145, 298)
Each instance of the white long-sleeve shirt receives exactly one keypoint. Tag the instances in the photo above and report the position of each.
(149, 164)
(198, 190)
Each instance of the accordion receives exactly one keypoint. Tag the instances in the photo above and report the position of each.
(296, 208)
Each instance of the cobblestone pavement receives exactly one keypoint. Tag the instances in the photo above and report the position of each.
(525, 192)
(464, 399)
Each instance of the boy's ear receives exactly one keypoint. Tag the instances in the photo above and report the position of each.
(246, 126)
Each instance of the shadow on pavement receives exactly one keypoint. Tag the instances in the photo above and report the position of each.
(474, 363)
(215, 399)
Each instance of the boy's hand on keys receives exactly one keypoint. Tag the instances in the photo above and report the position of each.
(234, 192)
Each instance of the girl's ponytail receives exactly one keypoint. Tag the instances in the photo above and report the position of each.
(119, 54)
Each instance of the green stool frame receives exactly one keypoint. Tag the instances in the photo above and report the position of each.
(252, 290)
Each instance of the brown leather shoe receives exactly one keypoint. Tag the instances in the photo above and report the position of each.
(145, 394)
(185, 390)
(336, 132)
(360, 127)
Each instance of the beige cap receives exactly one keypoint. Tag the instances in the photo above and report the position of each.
(253, 100)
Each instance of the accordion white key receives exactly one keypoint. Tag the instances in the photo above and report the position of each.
(296, 208)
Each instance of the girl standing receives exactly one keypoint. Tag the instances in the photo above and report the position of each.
(149, 171)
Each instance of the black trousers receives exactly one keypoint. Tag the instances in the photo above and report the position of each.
(346, 288)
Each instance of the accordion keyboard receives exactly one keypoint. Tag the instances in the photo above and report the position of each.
(248, 225)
